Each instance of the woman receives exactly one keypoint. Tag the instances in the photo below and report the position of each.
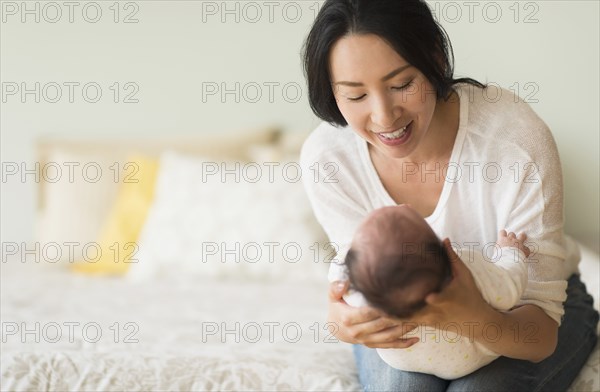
(400, 129)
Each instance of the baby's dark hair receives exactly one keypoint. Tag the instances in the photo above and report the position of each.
(398, 284)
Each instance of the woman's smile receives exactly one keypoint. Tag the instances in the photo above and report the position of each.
(395, 138)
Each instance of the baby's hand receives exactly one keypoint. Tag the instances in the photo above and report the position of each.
(514, 241)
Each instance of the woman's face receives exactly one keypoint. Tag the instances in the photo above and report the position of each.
(384, 99)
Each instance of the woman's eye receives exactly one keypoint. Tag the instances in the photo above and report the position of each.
(402, 87)
(357, 98)
(398, 88)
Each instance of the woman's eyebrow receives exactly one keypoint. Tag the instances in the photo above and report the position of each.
(386, 77)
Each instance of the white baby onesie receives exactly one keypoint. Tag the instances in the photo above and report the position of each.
(501, 278)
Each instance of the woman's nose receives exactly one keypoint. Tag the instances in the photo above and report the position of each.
(383, 113)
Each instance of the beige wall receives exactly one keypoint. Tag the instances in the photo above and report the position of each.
(176, 51)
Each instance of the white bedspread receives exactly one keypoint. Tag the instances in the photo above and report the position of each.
(191, 336)
(174, 335)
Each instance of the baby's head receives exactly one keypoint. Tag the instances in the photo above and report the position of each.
(396, 260)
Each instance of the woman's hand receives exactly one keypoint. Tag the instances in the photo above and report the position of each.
(364, 325)
(459, 302)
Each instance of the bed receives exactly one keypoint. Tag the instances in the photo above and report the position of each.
(173, 330)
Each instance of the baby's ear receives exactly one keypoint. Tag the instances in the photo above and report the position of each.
(433, 299)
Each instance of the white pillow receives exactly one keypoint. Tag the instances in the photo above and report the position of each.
(74, 205)
(223, 219)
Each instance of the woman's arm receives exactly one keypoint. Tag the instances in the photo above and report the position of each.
(530, 330)
(526, 332)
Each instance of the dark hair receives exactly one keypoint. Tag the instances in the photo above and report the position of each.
(386, 282)
(406, 25)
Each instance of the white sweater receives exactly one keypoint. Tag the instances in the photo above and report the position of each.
(504, 173)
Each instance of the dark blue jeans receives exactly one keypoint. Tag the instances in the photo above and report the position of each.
(576, 340)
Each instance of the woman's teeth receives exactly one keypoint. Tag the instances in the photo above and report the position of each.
(396, 134)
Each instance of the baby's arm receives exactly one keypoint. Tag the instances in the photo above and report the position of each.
(502, 279)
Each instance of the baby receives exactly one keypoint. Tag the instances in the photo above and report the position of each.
(396, 260)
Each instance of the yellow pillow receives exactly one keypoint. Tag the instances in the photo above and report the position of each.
(122, 228)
